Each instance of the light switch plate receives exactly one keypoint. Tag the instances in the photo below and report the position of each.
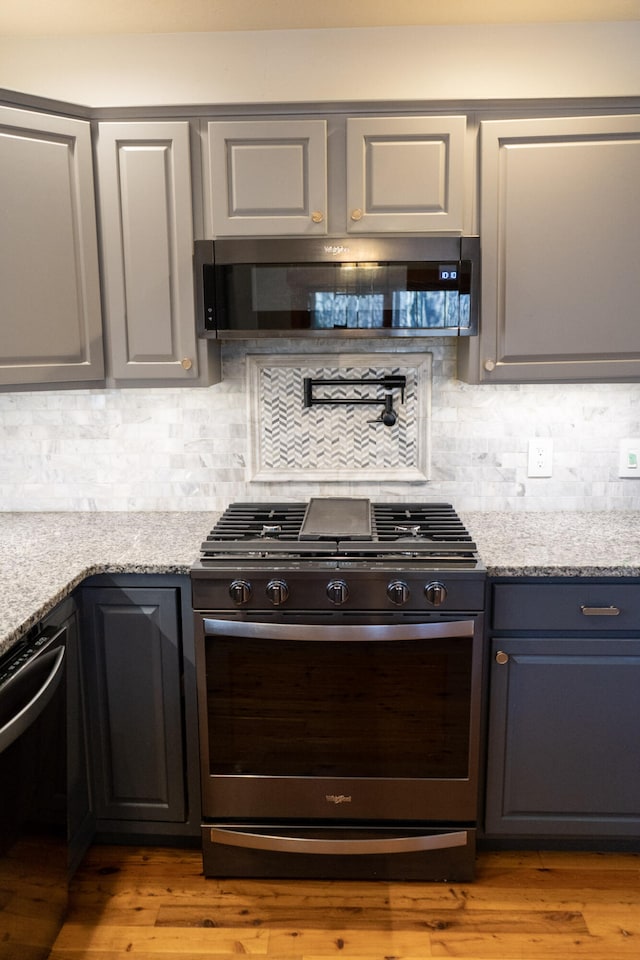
(629, 460)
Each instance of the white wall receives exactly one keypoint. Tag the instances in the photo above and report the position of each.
(387, 63)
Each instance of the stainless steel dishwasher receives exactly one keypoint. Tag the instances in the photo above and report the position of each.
(37, 686)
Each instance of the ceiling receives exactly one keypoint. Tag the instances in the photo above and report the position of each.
(64, 17)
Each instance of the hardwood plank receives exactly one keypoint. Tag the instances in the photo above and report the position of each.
(87, 939)
(349, 943)
(375, 918)
(511, 946)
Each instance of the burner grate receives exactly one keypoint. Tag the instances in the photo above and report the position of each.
(255, 521)
(437, 522)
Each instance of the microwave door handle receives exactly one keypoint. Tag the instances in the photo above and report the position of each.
(331, 632)
(382, 845)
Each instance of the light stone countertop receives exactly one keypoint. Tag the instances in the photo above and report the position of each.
(559, 544)
(44, 556)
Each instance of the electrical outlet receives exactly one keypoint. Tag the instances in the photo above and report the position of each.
(629, 460)
(540, 461)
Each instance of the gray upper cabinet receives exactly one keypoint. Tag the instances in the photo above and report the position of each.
(144, 171)
(405, 174)
(336, 175)
(268, 177)
(50, 320)
(560, 229)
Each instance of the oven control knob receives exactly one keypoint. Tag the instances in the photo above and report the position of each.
(436, 593)
(240, 592)
(337, 591)
(278, 592)
(398, 592)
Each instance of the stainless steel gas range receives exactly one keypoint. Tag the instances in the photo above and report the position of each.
(339, 658)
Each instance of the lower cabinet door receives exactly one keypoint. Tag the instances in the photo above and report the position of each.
(133, 686)
(563, 738)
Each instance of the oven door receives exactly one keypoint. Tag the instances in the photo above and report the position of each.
(319, 722)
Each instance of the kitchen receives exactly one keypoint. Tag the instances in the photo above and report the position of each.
(187, 450)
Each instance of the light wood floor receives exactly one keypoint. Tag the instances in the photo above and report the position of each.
(154, 904)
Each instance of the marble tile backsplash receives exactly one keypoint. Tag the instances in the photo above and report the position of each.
(187, 449)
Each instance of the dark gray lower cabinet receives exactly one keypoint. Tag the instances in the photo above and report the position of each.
(134, 669)
(564, 711)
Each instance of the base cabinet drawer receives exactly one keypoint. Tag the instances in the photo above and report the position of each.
(589, 606)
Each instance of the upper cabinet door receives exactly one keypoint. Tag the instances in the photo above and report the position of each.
(405, 174)
(147, 231)
(560, 229)
(50, 320)
(268, 177)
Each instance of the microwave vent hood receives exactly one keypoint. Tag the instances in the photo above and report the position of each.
(337, 287)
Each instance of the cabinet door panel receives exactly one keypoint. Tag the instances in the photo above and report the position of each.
(564, 722)
(51, 329)
(147, 229)
(405, 173)
(560, 224)
(133, 674)
(268, 177)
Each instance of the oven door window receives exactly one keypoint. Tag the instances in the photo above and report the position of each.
(341, 709)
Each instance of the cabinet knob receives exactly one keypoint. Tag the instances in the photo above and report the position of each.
(502, 657)
(489, 365)
(186, 363)
(356, 214)
(317, 216)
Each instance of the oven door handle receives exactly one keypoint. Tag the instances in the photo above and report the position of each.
(288, 844)
(327, 632)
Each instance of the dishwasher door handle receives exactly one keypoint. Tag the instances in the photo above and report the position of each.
(31, 710)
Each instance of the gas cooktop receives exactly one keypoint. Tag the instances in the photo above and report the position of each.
(341, 528)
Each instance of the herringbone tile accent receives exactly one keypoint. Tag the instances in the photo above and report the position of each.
(342, 438)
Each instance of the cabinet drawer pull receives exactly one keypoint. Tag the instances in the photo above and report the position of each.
(600, 611)
(317, 216)
(502, 657)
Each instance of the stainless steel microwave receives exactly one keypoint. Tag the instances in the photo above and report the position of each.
(346, 287)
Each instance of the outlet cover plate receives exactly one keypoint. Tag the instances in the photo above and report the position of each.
(540, 460)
